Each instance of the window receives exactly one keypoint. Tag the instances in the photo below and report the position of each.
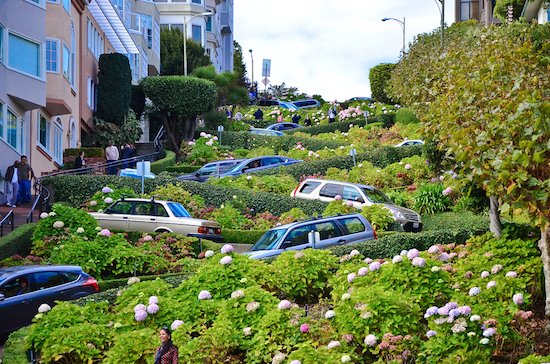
(196, 31)
(44, 132)
(177, 26)
(52, 57)
(353, 224)
(58, 142)
(376, 196)
(66, 5)
(1, 120)
(43, 280)
(298, 236)
(142, 208)
(24, 55)
(160, 210)
(308, 187)
(12, 129)
(196, 1)
(465, 10)
(208, 23)
(327, 230)
(1, 43)
(66, 61)
(331, 190)
(156, 38)
(92, 92)
(95, 41)
(121, 207)
(14, 287)
(147, 22)
(351, 194)
(53, 1)
(119, 5)
(72, 69)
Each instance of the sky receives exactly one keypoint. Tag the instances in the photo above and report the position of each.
(327, 47)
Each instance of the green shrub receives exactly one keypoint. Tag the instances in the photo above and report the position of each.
(101, 200)
(342, 126)
(406, 116)
(229, 217)
(379, 216)
(379, 77)
(17, 242)
(454, 220)
(15, 350)
(429, 198)
(181, 168)
(115, 87)
(175, 192)
(162, 164)
(295, 214)
(280, 183)
(89, 152)
(241, 236)
(338, 207)
(400, 198)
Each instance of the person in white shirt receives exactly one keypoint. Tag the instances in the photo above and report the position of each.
(12, 184)
(111, 154)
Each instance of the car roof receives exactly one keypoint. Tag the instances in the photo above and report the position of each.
(37, 268)
(340, 182)
(320, 219)
(133, 199)
(265, 156)
(234, 161)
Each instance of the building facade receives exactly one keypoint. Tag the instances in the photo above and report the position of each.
(482, 11)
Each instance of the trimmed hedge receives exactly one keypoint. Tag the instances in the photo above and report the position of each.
(241, 236)
(89, 152)
(120, 282)
(390, 245)
(379, 157)
(78, 188)
(161, 165)
(17, 242)
(342, 126)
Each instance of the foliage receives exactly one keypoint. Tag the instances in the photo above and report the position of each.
(14, 349)
(295, 214)
(231, 236)
(126, 130)
(17, 242)
(115, 88)
(281, 183)
(454, 220)
(379, 77)
(429, 198)
(500, 9)
(89, 152)
(230, 92)
(379, 216)
(175, 192)
(229, 217)
(406, 116)
(171, 53)
(163, 163)
(137, 101)
(101, 200)
(339, 207)
(239, 66)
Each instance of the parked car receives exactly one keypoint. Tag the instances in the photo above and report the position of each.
(267, 132)
(258, 164)
(288, 105)
(360, 195)
(24, 288)
(283, 126)
(210, 169)
(268, 102)
(405, 143)
(306, 104)
(333, 231)
(150, 215)
(359, 98)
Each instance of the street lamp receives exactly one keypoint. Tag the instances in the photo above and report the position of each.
(441, 6)
(185, 38)
(252, 69)
(402, 26)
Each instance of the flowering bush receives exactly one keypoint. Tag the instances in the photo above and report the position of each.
(175, 192)
(379, 216)
(104, 198)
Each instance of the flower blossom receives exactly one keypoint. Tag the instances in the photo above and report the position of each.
(496, 268)
(105, 232)
(278, 358)
(431, 333)
(435, 268)
(237, 294)
(330, 314)
(485, 274)
(484, 341)
(413, 253)
(176, 324)
(474, 291)
(304, 328)
(351, 277)
(108, 200)
(153, 299)
(140, 315)
(367, 260)
(511, 274)
(247, 331)
(227, 248)
(80, 230)
(226, 260)
(106, 189)
(333, 344)
(44, 215)
(418, 262)
(346, 296)
(489, 332)
(370, 340)
(397, 259)
(474, 318)
(284, 305)
(209, 253)
(408, 166)
(431, 311)
(337, 197)
(374, 266)
(518, 299)
(295, 362)
(447, 191)
(434, 249)
(132, 280)
(140, 307)
(363, 271)
(491, 284)
(248, 178)
(44, 308)
(204, 295)
(345, 358)
(152, 308)
(148, 238)
(252, 306)
(58, 225)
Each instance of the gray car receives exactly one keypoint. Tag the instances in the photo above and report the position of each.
(333, 231)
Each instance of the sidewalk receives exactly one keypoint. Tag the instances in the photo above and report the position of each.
(20, 215)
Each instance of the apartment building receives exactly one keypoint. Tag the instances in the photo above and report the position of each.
(482, 10)
(214, 33)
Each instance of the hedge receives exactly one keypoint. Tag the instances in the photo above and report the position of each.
(161, 165)
(89, 152)
(78, 188)
(242, 236)
(120, 282)
(342, 126)
(379, 157)
(390, 245)
(17, 242)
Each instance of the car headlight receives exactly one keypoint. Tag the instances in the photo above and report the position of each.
(397, 214)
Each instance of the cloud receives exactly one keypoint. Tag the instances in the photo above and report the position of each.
(327, 47)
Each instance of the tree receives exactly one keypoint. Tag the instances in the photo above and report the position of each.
(115, 88)
(379, 77)
(227, 83)
(179, 100)
(239, 67)
(171, 53)
(487, 100)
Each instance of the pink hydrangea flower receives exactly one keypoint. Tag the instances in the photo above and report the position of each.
(140, 315)
(148, 238)
(363, 271)
(252, 306)
(333, 344)
(204, 295)
(351, 277)
(247, 331)
(367, 260)
(374, 266)
(397, 259)
(518, 299)
(447, 191)
(237, 294)
(106, 189)
(489, 332)
(44, 308)
(152, 308)
(354, 252)
(330, 314)
(434, 249)
(337, 197)
(465, 310)
(139, 307)
(226, 260)
(408, 166)
(304, 328)
(474, 291)
(153, 299)
(105, 232)
(176, 324)
(284, 305)
(370, 340)
(511, 274)
(227, 248)
(485, 274)
(413, 253)
(418, 262)
(491, 284)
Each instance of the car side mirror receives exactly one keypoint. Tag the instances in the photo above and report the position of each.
(2, 297)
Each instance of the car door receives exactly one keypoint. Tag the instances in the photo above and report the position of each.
(351, 193)
(165, 222)
(142, 218)
(49, 286)
(329, 234)
(17, 308)
(329, 191)
(354, 230)
(116, 217)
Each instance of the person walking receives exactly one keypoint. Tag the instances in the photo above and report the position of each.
(307, 121)
(166, 353)
(280, 118)
(331, 114)
(296, 118)
(79, 161)
(24, 174)
(126, 153)
(111, 154)
(259, 114)
(11, 181)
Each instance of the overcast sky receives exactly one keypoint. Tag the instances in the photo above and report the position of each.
(327, 47)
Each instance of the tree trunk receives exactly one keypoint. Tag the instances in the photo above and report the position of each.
(190, 126)
(494, 217)
(173, 138)
(544, 246)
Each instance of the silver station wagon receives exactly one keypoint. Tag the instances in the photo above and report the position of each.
(150, 215)
(360, 195)
(332, 231)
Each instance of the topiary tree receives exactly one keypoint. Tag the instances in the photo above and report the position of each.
(229, 90)
(179, 100)
(379, 76)
(487, 102)
(115, 88)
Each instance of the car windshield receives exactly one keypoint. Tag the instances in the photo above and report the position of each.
(178, 210)
(376, 196)
(269, 240)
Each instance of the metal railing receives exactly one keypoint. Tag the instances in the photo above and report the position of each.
(7, 220)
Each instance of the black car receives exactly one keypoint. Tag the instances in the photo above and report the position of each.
(24, 288)
(283, 126)
(210, 170)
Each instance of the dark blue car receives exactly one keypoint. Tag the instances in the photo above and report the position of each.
(24, 288)
(258, 164)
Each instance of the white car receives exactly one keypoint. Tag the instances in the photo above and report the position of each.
(406, 143)
(360, 195)
(150, 215)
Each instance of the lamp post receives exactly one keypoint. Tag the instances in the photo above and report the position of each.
(402, 26)
(441, 7)
(185, 38)
(252, 70)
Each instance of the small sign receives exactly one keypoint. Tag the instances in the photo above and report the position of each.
(265, 81)
(266, 68)
(353, 152)
(220, 128)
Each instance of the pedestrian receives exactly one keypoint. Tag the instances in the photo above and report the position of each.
(331, 114)
(238, 116)
(166, 353)
(280, 118)
(24, 174)
(11, 181)
(133, 153)
(259, 114)
(296, 118)
(307, 121)
(111, 154)
(126, 153)
(79, 161)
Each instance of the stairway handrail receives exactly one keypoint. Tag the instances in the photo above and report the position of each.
(9, 219)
